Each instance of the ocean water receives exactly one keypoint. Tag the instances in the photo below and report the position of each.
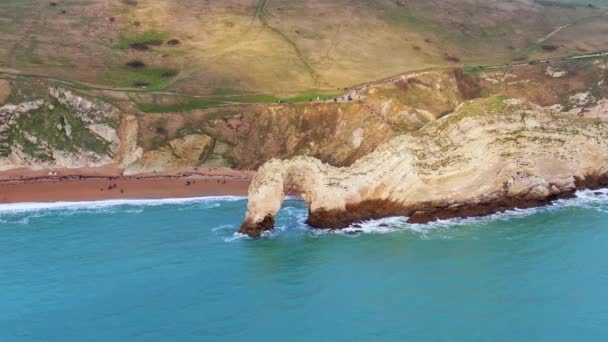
(175, 270)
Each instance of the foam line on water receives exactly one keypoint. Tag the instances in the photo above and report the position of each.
(590, 199)
(295, 217)
(12, 208)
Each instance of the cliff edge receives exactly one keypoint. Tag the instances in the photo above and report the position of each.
(489, 155)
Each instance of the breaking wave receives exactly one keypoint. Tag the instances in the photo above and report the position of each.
(292, 218)
(26, 214)
(17, 208)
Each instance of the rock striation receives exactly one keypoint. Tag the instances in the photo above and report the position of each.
(489, 155)
(57, 128)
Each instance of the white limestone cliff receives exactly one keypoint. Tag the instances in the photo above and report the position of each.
(489, 155)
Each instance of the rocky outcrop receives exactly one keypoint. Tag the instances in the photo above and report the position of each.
(128, 151)
(46, 124)
(56, 128)
(5, 90)
(87, 110)
(9, 114)
(187, 151)
(489, 155)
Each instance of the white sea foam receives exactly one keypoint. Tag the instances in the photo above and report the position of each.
(223, 227)
(292, 218)
(595, 199)
(295, 218)
(399, 223)
(16, 208)
(24, 220)
(588, 199)
(236, 237)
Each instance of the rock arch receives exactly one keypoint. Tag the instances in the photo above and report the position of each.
(466, 164)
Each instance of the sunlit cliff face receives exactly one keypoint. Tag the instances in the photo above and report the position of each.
(490, 155)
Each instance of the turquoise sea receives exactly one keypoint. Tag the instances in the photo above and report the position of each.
(175, 270)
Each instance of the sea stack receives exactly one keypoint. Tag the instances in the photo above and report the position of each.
(489, 155)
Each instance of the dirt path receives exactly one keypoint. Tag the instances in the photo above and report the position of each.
(261, 15)
(233, 99)
(12, 74)
(542, 39)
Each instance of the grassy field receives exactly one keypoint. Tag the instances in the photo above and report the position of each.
(284, 46)
(186, 103)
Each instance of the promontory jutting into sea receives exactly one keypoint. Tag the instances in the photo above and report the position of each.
(303, 170)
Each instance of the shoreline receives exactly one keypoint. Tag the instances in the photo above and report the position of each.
(27, 186)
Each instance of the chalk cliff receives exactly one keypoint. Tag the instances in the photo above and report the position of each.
(437, 139)
(57, 128)
(490, 154)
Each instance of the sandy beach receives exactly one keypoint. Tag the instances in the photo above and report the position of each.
(99, 184)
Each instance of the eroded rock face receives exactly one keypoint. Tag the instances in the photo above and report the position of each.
(129, 152)
(489, 155)
(56, 128)
(187, 151)
(5, 90)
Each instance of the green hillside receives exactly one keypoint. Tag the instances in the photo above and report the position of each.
(283, 47)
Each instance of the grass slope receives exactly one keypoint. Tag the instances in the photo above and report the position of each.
(285, 46)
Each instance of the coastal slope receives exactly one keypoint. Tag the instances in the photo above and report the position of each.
(53, 132)
(491, 154)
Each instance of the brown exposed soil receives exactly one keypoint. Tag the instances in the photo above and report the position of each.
(418, 81)
(468, 86)
(554, 91)
(452, 59)
(5, 90)
(549, 47)
(145, 46)
(139, 47)
(401, 84)
(173, 42)
(169, 74)
(154, 42)
(131, 3)
(136, 64)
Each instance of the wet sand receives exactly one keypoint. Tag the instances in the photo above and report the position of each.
(95, 184)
